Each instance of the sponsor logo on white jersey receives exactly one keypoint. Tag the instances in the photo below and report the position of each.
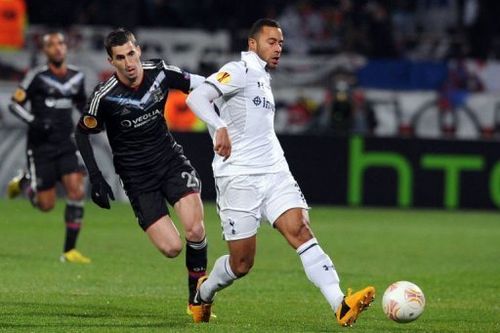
(264, 102)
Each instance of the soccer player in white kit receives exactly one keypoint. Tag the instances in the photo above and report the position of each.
(253, 180)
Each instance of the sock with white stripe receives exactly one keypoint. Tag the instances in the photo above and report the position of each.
(73, 215)
(321, 272)
(220, 277)
(196, 264)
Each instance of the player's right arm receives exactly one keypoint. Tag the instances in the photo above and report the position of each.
(18, 104)
(200, 101)
(90, 123)
(229, 80)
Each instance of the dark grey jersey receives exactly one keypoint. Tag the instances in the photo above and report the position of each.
(133, 119)
(52, 100)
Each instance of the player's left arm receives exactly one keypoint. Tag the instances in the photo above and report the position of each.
(17, 106)
(91, 122)
(181, 80)
(80, 99)
(100, 191)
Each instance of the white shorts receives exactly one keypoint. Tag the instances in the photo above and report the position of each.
(242, 201)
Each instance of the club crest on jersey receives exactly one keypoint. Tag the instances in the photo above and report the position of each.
(90, 122)
(157, 95)
(223, 77)
(19, 95)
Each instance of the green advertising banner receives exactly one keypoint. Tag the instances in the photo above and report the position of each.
(400, 172)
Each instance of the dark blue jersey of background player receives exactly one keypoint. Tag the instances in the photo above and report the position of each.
(52, 98)
(133, 118)
(52, 90)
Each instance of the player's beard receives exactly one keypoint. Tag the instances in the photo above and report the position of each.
(57, 63)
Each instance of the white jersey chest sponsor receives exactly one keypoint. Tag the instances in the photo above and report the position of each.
(249, 114)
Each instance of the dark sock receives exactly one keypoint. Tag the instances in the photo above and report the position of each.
(73, 216)
(196, 263)
(24, 183)
(71, 236)
(27, 190)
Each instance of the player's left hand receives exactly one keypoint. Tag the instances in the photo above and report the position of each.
(222, 145)
(101, 191)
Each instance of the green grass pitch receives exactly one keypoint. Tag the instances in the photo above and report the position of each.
(129, 287)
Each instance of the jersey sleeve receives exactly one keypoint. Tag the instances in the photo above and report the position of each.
(81, 97)
(177, 78)
(200, 101)
(21, 96)
(23, 91)
(229, 79)
(91, 120)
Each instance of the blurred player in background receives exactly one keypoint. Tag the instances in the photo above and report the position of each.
(52, 90)
(151, 165)
(253, 180)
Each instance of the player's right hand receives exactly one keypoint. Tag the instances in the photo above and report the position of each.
(222, 144)
(101, 191)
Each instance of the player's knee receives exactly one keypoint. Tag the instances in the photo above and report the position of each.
(76, 193)
(170, 250)
(196, 232)
(45, 206)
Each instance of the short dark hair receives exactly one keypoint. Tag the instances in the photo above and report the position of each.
(118, 37)
(49, 33)
(263, 22)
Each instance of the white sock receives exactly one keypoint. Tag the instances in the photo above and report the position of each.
(321, 271)
(219, 278)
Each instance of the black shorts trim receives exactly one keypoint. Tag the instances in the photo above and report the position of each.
(46, 170)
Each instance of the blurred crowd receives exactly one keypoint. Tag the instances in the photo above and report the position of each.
(422, 29)
(458, 33)
(430, 29)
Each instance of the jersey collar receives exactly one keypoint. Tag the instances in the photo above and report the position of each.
(252, 59)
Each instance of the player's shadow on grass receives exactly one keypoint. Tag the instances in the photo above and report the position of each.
(23, 314)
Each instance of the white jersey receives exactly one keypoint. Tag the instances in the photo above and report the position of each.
(247, 107)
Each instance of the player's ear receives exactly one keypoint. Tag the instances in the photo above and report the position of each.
(139, 51)
(110, 60)
(252, 44)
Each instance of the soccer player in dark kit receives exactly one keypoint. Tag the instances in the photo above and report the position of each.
(150, 164)
(52, 90)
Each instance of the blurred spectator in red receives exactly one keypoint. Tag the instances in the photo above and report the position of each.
(363, 120)
(454, 93)
(179, 116)
(12, 23)
(300, 114)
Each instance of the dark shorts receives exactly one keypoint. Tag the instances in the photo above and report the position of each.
(46, 169)
(180, 180)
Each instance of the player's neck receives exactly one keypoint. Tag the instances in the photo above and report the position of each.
(138, 80)
(133, 84)
(58, 70)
